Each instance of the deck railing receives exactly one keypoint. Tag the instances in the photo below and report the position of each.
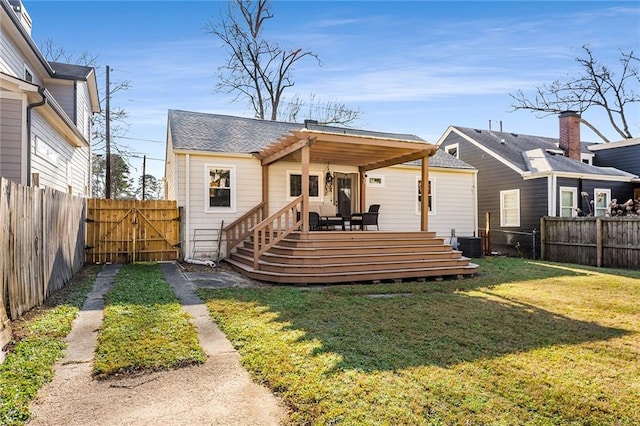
(241, 228)
(271, 230)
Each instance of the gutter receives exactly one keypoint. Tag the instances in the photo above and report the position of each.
(29, 108)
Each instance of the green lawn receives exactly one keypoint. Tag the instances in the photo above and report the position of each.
(38, 343)
(522, 343)
(145, 327)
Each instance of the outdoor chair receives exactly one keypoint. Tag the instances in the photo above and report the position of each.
(314, 221)
(367, 218)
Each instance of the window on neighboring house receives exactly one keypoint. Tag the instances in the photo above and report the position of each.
(568, 201)
(295, 185)
(430, 198)
(28, 75)
(601, 200)
(510, 208)
(220, 184)
(453, 150)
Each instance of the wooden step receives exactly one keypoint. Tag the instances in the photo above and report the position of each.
(314, 277)
(324, 268)
(352, 242)
(337, 251)
(359, 235)
(314, 258)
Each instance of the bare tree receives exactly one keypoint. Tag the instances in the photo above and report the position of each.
(330, 112)
(598, 86)
(257, 69)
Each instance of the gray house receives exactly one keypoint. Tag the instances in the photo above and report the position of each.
(522, 178)
(45, 111)
(623, 155)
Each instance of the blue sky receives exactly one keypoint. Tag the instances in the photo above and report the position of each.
(410, 67)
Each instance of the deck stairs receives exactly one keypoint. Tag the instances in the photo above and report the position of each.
(327, 257)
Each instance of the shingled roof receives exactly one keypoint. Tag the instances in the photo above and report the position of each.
(528, 152)
(194, 131)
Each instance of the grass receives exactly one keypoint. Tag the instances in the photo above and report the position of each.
(523, 343)
(38, 343)
(145, 327)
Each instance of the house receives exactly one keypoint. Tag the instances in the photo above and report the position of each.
(45, 111)
(522, 178)
(223, 168)
(623, 155)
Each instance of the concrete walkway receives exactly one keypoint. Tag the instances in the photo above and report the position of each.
(219, 392)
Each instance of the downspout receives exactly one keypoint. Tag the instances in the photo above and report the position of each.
(29, 108)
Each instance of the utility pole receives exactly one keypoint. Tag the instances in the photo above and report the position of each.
(144, 176)
(107, 127)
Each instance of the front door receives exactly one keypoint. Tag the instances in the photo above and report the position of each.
(346, 193)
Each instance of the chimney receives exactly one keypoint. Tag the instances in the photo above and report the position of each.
(570, 134)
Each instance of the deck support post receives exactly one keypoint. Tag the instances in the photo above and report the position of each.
(424, 190)
(305, 188)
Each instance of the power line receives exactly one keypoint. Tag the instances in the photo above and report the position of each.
(143, 140)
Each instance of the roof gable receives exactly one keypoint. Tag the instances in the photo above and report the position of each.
(529, 154)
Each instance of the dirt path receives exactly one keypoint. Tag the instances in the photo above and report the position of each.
(219, 392)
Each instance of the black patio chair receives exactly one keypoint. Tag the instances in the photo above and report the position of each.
(367, 218)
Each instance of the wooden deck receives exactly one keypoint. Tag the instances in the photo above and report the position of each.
(352, 256)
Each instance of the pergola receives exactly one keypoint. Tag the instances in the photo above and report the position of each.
(368, 153)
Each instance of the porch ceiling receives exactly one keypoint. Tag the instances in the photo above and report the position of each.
(366, 152)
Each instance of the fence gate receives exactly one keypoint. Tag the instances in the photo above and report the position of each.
(123, 231)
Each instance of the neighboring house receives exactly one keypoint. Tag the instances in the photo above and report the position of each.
(623, 155)
(45, 111)
(214, 174)
(522, 178)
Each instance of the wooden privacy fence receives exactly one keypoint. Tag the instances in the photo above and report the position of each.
(123, 231)
(612, 242)
(42, 240)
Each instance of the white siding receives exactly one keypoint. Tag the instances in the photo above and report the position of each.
(53, 169)
(11, 61)
(454, 195)
(453, 198)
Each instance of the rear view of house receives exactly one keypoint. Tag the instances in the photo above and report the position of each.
(230, 174)
(45, 111)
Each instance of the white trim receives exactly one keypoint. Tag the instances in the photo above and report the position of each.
(453, 145)
(210, 153)
(607, 209)
(586, 176)
(503, 222)
(574, 192)
(187, 207)
(232, 186)
(379, 180)
(615, 144)
(320, 175)
(552, 183)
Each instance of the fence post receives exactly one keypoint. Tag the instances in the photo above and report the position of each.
(533, 236)
(599, 242)
(543, 237)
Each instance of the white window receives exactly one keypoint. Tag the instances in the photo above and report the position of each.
(430, 196)
(45, 151)
(220, 184)
(510, 208)
(376, 181)
(601, 200)
(453, 149)
(587, 158)
(568, 201)
(294, 186)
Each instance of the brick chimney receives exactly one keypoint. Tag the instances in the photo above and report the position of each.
(570, 134)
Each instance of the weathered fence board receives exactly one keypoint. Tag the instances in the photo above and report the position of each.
(122, 231)
(42, 236)
(612, 242)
